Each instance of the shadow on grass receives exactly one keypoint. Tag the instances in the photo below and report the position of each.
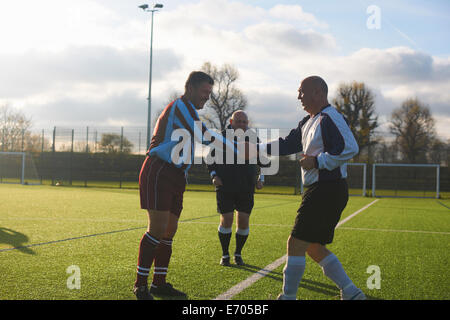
(171, 298)
(316, 286)
(254, 269)
(162, 297)
(15, 239)
(326, 289)
(306, 284)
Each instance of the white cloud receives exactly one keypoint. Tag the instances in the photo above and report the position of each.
(274, 110)
(39, 71)
(442, 124)
(295, 13)
(281, 37)
(218, 14)
(393, 64)
(126, 107)
(55, 24)
(441, 69)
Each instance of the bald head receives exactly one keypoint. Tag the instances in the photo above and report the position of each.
(239, 120)
(313, 93)
(239, 114)
(317, 83)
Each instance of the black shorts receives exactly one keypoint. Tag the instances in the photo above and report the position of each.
(320, 211)
(230, 201)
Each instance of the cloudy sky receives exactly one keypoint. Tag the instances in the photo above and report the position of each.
(85, 62)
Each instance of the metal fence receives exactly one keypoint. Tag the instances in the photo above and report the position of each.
(83, 157)
(89, 139)
(121, 170)
(83, 139)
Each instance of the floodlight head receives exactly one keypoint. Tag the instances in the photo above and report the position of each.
(157, 6)
(144, 6)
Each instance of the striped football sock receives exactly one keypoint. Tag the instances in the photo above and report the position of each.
(147, 249)
(162, 259)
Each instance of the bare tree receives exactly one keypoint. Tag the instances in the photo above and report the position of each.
(385, 152)
(35, 142)
(357, 103)
(226, 98)
(413, 127)
(14, 128)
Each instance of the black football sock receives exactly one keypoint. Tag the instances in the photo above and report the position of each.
(241, 238)
(224, 237)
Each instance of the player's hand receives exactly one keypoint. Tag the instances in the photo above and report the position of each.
(217, 181)
(259, 184)
(308, 162)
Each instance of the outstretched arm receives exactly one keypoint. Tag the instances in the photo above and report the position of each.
(291, 144)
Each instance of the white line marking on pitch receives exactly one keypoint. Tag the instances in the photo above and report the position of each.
(355, 213)
(394, 230)
(343, 228)
(269, 268)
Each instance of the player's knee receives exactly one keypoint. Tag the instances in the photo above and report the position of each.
(290, 242)
(243, 220)
(317, 251)
(226, 225)
(172, 227)
(296, 247)
(156, 229)
(226, 220)
(157, 222)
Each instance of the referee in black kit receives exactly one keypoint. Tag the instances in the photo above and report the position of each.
(235, 187)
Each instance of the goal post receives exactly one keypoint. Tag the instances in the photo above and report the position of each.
(17, 167)
(357, 178)
(405, 180)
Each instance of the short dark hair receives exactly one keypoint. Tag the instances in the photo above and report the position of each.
(197, 77)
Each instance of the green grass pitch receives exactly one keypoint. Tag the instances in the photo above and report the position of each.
(44, 230)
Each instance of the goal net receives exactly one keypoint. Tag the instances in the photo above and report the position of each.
(405, 180)
(18, 167)
(356, 179)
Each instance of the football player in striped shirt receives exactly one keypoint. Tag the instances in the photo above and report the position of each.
(162, 181)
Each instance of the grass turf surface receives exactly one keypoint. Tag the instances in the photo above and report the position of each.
(44, 230)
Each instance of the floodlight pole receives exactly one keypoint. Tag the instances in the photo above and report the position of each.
(149, 111)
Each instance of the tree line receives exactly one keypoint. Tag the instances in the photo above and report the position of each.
(411, 124)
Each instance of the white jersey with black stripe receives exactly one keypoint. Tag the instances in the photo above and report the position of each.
(327, 137)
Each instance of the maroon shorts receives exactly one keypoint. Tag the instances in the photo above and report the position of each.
(161, 186)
